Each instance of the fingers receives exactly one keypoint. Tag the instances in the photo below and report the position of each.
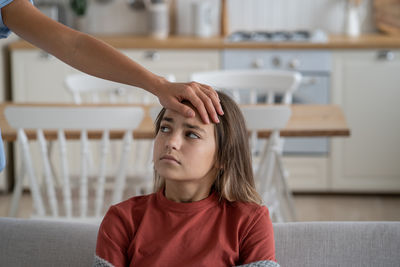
(184, 109)
(209, 105)
(203, 97)
(193, 95)
(213, 95)
(206, 101)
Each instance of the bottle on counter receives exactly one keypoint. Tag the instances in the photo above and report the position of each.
(158, 18)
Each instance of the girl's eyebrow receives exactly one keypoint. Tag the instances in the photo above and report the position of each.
(187, 125)
(190, 126)
(168, 119)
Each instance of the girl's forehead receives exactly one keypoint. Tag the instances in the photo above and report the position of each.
(178, 116)
(181, 119)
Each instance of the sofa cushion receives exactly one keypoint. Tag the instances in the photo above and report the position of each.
(338, 244)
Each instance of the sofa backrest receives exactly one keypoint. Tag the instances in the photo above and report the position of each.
(338, 243)
(45, 243)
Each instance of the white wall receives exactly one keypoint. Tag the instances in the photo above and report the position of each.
(328, 15)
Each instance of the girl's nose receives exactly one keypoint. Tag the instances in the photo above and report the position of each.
(174, 141)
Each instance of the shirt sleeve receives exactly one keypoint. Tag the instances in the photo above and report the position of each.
(4, 31)
(112, 239)
(258, 244)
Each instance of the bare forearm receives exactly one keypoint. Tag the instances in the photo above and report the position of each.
(99, 59)
(77, 49)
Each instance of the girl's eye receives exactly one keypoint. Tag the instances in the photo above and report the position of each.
(164, 129)
(192, 135)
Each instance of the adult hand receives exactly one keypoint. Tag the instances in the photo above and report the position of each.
(203, 98)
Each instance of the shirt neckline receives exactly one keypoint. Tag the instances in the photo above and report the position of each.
(211, 200)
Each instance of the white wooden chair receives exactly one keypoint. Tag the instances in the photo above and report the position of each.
(89, 89)
(55, 199)
(269, 173)
(255, 87)
(251, 86)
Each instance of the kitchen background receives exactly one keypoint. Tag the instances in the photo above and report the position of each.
(116, 17)
(328, 15)
(128, 17)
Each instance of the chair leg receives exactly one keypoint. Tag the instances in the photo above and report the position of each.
(17, 192)
(272, 201)
(286, 191)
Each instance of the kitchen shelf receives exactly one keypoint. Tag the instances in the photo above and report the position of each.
(367, 41)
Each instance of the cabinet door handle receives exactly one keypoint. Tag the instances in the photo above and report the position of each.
(258, 63)
(152, 55)
(385, 55)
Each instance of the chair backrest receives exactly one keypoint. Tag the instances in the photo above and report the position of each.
(272, 84)
(81, 119)
(272, 118)
(89, 89)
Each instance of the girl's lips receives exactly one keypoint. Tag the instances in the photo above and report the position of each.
(169, 158)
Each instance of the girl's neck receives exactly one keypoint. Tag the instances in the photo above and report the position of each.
(184, 192)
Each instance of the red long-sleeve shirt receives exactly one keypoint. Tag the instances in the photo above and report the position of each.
(154, 231)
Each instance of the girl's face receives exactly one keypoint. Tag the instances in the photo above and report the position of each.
(184, 149)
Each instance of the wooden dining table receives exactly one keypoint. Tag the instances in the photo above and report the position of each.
(305, 121)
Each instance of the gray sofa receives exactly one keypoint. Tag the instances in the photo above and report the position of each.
(44, 243)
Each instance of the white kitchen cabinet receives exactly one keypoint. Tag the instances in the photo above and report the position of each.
(367, 86)
(39, 77)
(177, 62)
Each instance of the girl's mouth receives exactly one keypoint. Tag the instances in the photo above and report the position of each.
(170, 158)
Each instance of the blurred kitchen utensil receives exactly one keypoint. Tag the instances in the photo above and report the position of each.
(184, 13)
(354, 18)
(158, 18)
(135, 4)
(202, 21)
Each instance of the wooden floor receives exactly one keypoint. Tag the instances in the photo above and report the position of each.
(309, 207)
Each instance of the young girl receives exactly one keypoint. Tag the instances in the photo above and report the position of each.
(205, 212)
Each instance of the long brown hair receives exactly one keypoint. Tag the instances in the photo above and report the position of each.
(235, 180)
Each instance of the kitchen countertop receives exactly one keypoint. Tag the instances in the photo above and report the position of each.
(367, 41)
